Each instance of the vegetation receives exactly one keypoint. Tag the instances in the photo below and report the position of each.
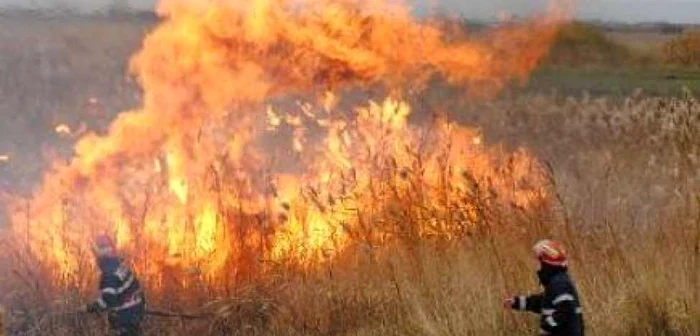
(583, 45)
(619, 83)
(625, 199)
(684, 50)
(600, 61)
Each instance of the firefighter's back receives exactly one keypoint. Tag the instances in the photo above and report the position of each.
(562, 290)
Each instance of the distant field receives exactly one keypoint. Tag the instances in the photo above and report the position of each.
(636, 64)
(642, 41)
(621, 82)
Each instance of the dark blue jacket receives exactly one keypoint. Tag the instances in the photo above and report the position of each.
(120, 290)
(559, 306)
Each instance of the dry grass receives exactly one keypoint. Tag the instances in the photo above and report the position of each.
(684, 50)
(625, 201)
(632, 226)
(645, 45)
(580, 44)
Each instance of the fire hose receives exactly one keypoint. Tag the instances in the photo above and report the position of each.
(150, 312)
(160, 313)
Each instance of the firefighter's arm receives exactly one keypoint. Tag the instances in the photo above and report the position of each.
(532, 303)
(108, 297)
(564, 310)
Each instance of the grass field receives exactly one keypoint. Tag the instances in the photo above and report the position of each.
(616, 82)
(604, 61)
(621, 168)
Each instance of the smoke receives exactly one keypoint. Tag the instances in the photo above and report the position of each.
(614, 10)
(474, 8)
(78, 5)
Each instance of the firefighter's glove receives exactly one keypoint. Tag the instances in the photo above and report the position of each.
(93, 308)
(509, 303)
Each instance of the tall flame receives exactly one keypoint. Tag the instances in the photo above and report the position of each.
(216, 171)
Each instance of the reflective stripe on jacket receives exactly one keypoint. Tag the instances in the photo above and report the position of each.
(119, 288)
(559, 306)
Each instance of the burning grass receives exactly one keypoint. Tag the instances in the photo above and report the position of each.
(632, 226)
(252, 212)
(187, 177)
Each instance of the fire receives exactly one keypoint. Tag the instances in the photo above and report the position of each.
(63, 129)
(218, 172)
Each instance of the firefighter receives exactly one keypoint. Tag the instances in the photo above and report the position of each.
(121, 296)
(558, 306)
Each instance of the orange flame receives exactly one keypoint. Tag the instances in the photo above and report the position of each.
(208, 178)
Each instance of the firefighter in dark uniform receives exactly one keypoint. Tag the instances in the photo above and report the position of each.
(121, 296)
(558, 306)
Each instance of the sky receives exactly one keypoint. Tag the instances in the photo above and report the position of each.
(677, 11)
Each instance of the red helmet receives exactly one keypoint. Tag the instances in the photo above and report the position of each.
(103, 246)
(551, 253)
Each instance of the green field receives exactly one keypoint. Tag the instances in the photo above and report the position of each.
(615, 82)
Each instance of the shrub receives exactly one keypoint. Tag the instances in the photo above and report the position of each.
(683, 50)
(583, 44)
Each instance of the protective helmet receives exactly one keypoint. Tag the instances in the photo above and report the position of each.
(103, 246)
(551, 253)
